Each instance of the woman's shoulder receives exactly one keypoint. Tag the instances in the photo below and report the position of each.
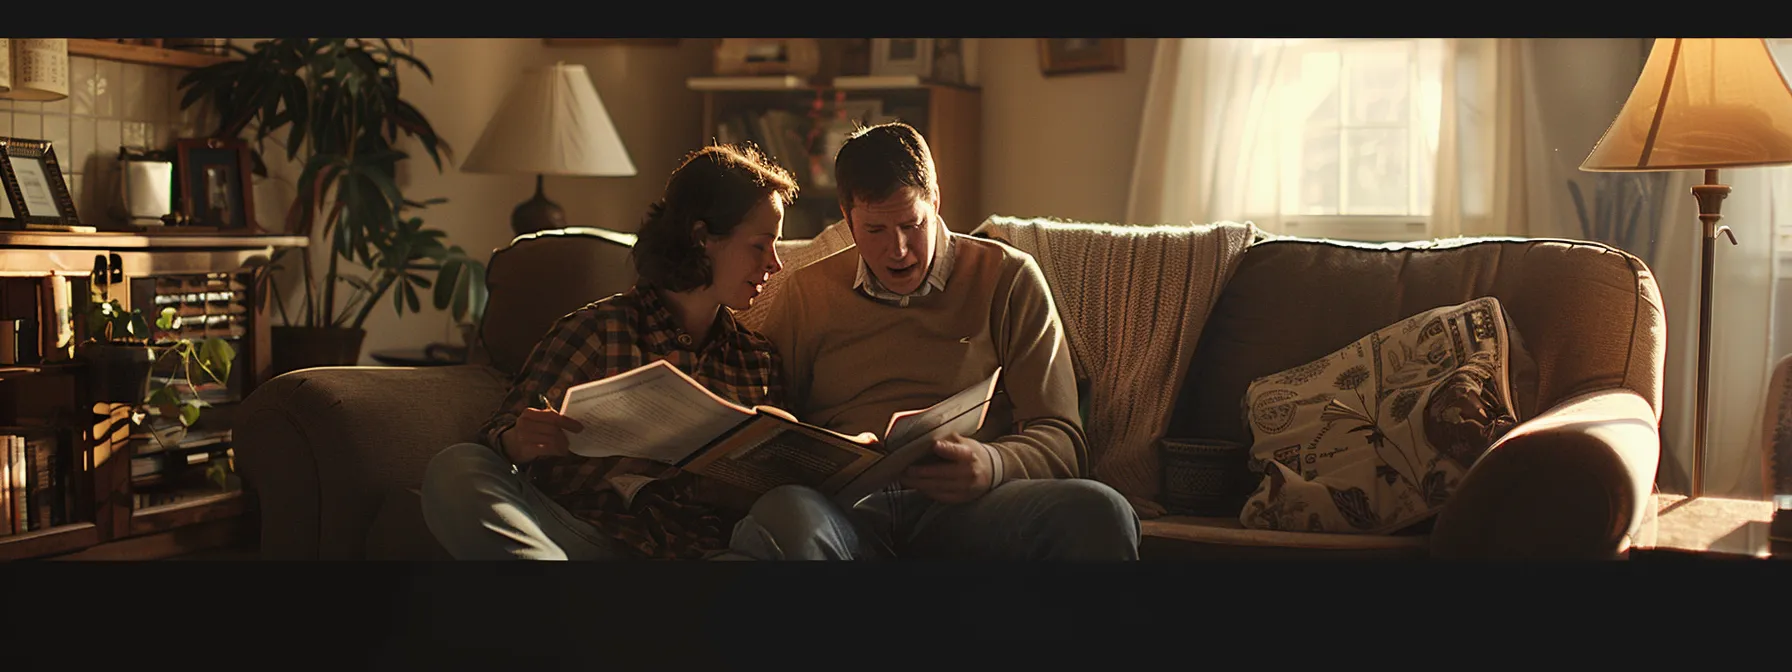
(621, 308)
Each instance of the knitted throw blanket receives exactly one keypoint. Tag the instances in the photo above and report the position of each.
(1133, 300)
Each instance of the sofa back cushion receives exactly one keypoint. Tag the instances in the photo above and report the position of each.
(1590, 315)
(539, 278)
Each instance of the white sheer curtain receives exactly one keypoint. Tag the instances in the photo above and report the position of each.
(1229, 129)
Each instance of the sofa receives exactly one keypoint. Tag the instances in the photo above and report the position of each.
(335, 455)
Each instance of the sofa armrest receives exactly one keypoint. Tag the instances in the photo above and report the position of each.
(323, 447)
(1573, 482)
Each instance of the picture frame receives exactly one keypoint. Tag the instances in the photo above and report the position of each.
(215, 184)
(1065, 56)
(37, 195)
(902, 56)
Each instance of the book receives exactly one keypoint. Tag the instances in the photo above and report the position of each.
(657, 412)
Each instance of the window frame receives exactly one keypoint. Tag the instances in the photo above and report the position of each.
(1364, 227)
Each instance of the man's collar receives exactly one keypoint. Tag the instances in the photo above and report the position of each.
(938, 271)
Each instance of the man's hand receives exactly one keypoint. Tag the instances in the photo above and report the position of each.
(538, 433)
(960, 475)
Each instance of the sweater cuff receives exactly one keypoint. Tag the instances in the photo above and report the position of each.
(998, 470)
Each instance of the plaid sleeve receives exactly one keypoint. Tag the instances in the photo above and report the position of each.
(585, 345)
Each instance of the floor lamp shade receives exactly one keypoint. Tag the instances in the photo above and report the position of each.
(1701, 103)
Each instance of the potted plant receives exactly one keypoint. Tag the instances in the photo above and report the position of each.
(122, 356)
(339, 103)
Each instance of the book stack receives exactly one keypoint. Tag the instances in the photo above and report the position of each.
(33, 478)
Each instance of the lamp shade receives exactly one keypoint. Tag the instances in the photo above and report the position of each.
(1701, 103)
(551, 123)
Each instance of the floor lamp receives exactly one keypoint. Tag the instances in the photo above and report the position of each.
(1702, 104)
(551, 123)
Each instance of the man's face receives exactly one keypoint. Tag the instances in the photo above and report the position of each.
(896, 238)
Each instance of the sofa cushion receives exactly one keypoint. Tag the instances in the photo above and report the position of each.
(1374, 437)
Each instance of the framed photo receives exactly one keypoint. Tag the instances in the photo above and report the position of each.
(215, 184)
(902, 56)
(1068, 55)
(37, 195)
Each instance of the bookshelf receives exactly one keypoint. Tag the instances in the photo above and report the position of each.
(790, 118)
(138, 53)
(96, 483)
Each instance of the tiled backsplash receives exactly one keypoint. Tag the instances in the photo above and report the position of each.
(110, 104)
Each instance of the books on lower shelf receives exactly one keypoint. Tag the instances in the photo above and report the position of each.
(34, 483)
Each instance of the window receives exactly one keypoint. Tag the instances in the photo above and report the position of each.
(1353, 138)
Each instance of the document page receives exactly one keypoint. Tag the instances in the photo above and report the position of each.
(654, 412)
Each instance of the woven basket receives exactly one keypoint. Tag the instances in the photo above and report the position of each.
(1205, 477)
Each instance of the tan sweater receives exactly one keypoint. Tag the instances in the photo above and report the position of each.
(852, 361)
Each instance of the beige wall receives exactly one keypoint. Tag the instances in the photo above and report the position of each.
(1059, 146)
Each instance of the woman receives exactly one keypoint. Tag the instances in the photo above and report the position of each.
(704, 249)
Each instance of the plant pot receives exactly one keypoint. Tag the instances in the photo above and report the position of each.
(119, 372)
(294, 348)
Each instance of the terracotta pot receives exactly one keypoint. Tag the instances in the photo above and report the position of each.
(294, 348)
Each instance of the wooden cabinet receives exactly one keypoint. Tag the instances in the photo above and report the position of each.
(788, 117)
(96, 485)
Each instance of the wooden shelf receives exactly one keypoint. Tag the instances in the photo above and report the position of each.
(53, 541)
(169, 516)
(137, 53)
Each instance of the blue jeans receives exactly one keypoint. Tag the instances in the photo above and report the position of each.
(1035, 519)
(479, 507)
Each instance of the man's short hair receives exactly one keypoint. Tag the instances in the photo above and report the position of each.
(880, 160)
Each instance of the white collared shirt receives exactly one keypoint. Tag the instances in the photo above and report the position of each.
(938, 270)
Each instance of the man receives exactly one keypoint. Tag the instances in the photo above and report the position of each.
(910, 315)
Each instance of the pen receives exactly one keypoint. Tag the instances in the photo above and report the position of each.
(545, 403)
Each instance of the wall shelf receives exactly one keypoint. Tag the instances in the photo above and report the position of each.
(137, 53)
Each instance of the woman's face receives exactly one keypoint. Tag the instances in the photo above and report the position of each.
(744, 259)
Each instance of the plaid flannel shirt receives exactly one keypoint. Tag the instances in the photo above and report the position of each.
(678, 514)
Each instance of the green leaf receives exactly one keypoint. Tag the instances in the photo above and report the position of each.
(163, 397)
(136, 326)
(168, 320)
(215, 357)
(189, 413)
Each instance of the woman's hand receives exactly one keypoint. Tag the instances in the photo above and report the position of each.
(538, 433)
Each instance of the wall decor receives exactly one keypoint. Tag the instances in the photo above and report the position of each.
(1069, 55)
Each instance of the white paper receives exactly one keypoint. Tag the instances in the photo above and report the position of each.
(655, 412)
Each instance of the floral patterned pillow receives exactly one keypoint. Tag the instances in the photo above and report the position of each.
(1373, 438)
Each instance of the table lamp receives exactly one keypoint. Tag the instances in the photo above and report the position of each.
(1702, 104)
(550, 123)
